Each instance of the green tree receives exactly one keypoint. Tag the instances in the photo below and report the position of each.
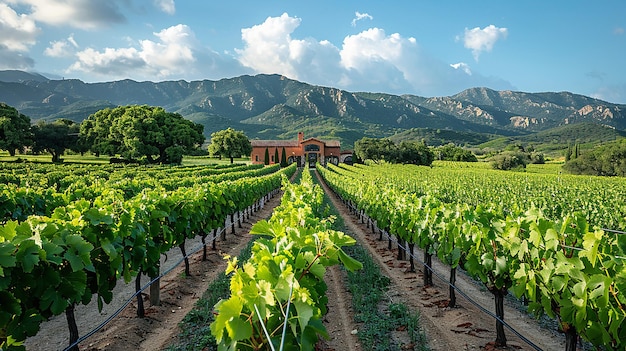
(606, 160)
(509, 160)
(266, 159)
(276, 160)
(375, 149)
(384, 149)
(414, 153)
(283, 158)
(537, 158)
(230, 143)
(451, 152)
(15, 130)
(55, 137)
(568, 153)
(95, 132)
(141, 131)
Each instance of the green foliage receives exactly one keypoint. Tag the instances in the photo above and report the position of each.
(61, 249)
(195, 328)
(565, 268)
(230, 143)
(441, 137)
(55, 137)
(537, 158)
(15, 130)
(141, 131)
(283, 158)
(606, 160)
(451, 152)
(377, 316)
(408, 152)
(266, 158)
(509, 160)
(280, 288)
(374, 149)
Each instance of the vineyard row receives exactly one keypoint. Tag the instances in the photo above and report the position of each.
(50, 263)
(563, 268)
(278, 296)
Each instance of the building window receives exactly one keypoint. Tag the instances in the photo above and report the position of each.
(311, 147)
(256, 158)
(272, 158)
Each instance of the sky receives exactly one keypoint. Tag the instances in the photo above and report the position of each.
(421, 47)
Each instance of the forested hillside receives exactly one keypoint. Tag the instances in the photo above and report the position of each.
(273, 106)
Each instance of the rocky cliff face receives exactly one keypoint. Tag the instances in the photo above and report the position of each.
(277, 105)
(526, 111)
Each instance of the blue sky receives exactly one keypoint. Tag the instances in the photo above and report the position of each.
(422, 47)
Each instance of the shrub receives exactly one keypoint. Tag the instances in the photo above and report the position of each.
(509, 160)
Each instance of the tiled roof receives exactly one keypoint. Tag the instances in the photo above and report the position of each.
(291, 143)
(274, 143)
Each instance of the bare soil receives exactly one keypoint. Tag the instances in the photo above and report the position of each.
(461, 328)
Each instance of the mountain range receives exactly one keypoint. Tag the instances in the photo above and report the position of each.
(276, 107)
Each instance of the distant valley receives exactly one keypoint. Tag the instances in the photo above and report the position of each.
(275, 107)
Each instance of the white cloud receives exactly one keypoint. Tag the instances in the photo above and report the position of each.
(370, 60)
(360, 16)
(167, 6)
(84, 14)
(381, 58)
(269, 48)
(267, 45)
(463, 67)
(479, 40)
(17, 31)
(172, 54)
(62, 48)
(58, 49)
(618, 31)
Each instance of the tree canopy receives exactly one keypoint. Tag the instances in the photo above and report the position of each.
(605, 160)
(386, 150)
(508, 160)
(15, 130)
(230, 143)
(141, 131)
(56, 137)
(451, 152)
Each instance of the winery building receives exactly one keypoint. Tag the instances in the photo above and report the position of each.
(303, 151)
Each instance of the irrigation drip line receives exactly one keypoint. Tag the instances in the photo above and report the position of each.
(461, 292)
(613, 231)
(166, 272)
(132, 297)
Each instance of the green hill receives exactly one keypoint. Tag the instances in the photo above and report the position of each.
(273, 106)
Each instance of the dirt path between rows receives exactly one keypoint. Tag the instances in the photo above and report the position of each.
(339, 321)
(465, 327)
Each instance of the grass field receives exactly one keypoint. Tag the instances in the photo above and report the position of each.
(90, 158)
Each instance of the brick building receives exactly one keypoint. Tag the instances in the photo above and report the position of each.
(304, 151)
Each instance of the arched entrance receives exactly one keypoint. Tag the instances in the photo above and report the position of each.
(312, 159)
(312, 154)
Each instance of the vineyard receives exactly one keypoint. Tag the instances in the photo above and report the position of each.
(549, 239)
(70, 233)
